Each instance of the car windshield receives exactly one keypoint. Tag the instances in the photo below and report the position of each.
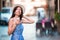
(5, 10)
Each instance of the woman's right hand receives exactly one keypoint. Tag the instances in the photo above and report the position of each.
(16, 22)
(12, 25)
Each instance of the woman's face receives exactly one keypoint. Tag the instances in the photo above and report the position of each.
(18, 11)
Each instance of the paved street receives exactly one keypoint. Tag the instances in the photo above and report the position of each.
(29, 33)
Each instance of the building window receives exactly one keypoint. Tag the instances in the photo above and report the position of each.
(56, 6)
(3, 3)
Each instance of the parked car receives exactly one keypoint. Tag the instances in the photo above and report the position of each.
(5, 15)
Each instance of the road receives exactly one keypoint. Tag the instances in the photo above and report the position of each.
(29, 32)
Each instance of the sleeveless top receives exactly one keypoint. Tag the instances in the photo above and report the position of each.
(17, 34)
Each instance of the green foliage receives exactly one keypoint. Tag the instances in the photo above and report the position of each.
(57, 16)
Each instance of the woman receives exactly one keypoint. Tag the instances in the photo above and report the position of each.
(15, 26)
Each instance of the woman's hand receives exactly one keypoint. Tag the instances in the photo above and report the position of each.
(16, 21)
(12, 25)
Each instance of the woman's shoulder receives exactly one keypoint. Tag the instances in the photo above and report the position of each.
(11, 19)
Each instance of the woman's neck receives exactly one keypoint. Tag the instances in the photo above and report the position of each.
(16, 16)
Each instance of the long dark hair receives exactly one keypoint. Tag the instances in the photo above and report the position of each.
(21, 15)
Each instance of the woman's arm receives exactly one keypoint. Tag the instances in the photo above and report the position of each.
(11, 27)
(27, 20)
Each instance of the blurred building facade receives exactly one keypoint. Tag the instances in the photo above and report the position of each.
(31, 5)
(6, 3)
(54, 5)
(51, 8)
(58, 6)
(0, 5)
